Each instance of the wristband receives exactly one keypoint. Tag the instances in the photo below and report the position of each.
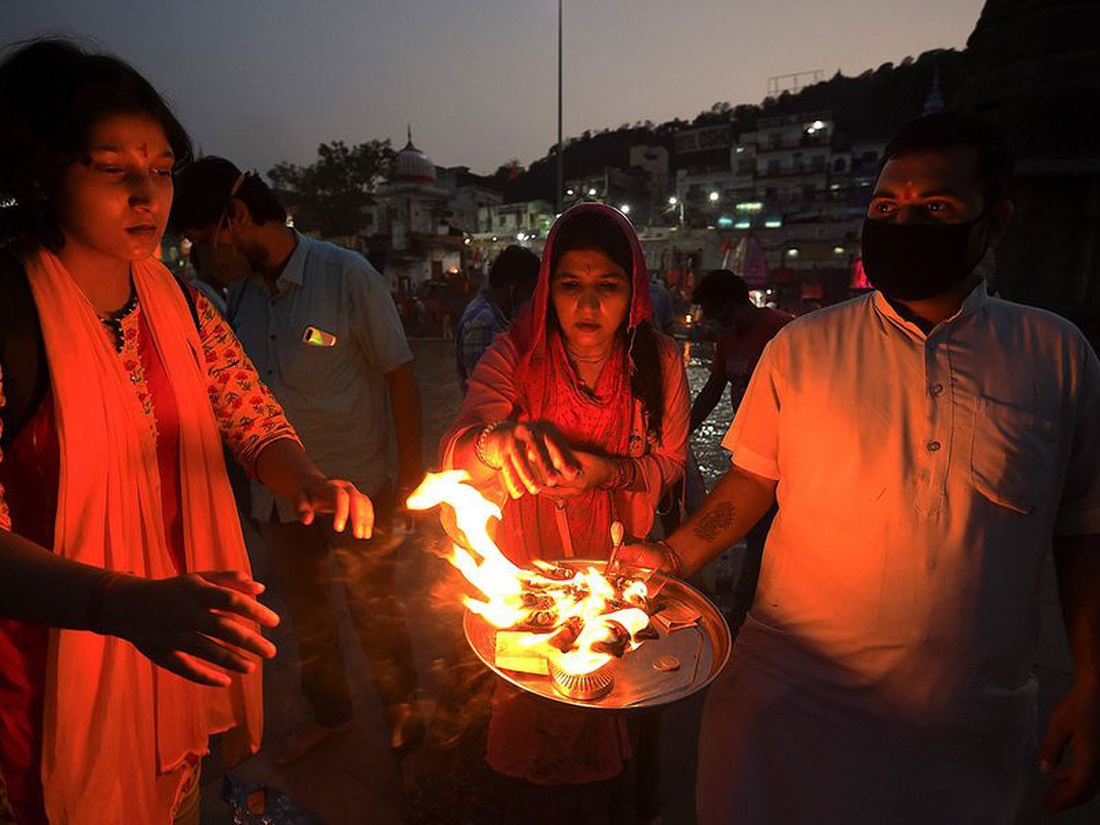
(479, 445)
(93, 610)
(616, 480)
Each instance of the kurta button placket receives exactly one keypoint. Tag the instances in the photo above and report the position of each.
(938, 421)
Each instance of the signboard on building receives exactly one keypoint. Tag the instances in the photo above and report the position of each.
(704, 139)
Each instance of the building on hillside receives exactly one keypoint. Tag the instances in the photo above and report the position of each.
(531, 219)
(652, 162)
(785, 165)
(615, 187)
(525, 223)
(796, 183)
(469, 193)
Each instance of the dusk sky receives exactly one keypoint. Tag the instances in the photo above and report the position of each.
(266, 81)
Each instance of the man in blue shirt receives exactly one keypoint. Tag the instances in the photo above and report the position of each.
(321, 328)
(511, 281)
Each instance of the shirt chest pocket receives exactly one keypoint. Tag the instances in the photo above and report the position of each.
(311, 358)
(1013, 456)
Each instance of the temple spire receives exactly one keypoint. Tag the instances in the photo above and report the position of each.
(934, 102)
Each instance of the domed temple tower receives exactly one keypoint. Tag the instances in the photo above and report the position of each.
(1035, 71)
(411, 224)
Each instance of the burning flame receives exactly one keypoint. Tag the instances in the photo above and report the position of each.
(548, 606)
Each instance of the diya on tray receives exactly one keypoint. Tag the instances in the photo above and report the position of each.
(569, 630)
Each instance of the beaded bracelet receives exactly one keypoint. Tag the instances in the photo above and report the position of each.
(479, 445)
(626, 473)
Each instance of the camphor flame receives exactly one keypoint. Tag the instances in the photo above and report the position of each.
(515, 597)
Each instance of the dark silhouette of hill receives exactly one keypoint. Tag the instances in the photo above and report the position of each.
(874, 104)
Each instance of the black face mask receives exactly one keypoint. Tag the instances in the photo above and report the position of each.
(915, 262)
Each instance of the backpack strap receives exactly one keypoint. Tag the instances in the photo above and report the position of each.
(26, 372)
(189, 296)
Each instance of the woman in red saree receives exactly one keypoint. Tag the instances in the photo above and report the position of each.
(116, 515)
(578, 417)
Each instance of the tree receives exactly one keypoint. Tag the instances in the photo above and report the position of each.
(330, 194)
(509, 171)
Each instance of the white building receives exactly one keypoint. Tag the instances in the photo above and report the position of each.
(410, 231)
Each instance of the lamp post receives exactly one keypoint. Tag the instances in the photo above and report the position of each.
(677, 204)
(561, 149)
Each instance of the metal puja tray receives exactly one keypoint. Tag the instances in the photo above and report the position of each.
(701, 649)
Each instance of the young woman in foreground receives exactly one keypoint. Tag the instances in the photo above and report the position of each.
(116, 514)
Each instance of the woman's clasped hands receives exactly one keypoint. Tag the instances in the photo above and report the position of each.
(534, 457)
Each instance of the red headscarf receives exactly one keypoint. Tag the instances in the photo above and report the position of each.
(597, 420)
(529, 329)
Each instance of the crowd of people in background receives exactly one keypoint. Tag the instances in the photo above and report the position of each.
(433, 309)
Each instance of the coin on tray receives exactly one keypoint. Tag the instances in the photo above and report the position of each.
(667, 662)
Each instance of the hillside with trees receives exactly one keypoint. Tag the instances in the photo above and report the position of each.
(874, 104)
(330, 194)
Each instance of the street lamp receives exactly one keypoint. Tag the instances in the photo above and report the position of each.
(713, 197)
(625, 208)
(677, 204)
(561, 149)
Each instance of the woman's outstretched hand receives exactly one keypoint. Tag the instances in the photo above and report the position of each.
(342, 499)
(532, 456)
(198, 625)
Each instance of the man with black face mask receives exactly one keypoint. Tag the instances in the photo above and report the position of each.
(927, 443)
(929, 226)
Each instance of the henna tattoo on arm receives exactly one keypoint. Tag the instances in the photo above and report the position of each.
(712, 523)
